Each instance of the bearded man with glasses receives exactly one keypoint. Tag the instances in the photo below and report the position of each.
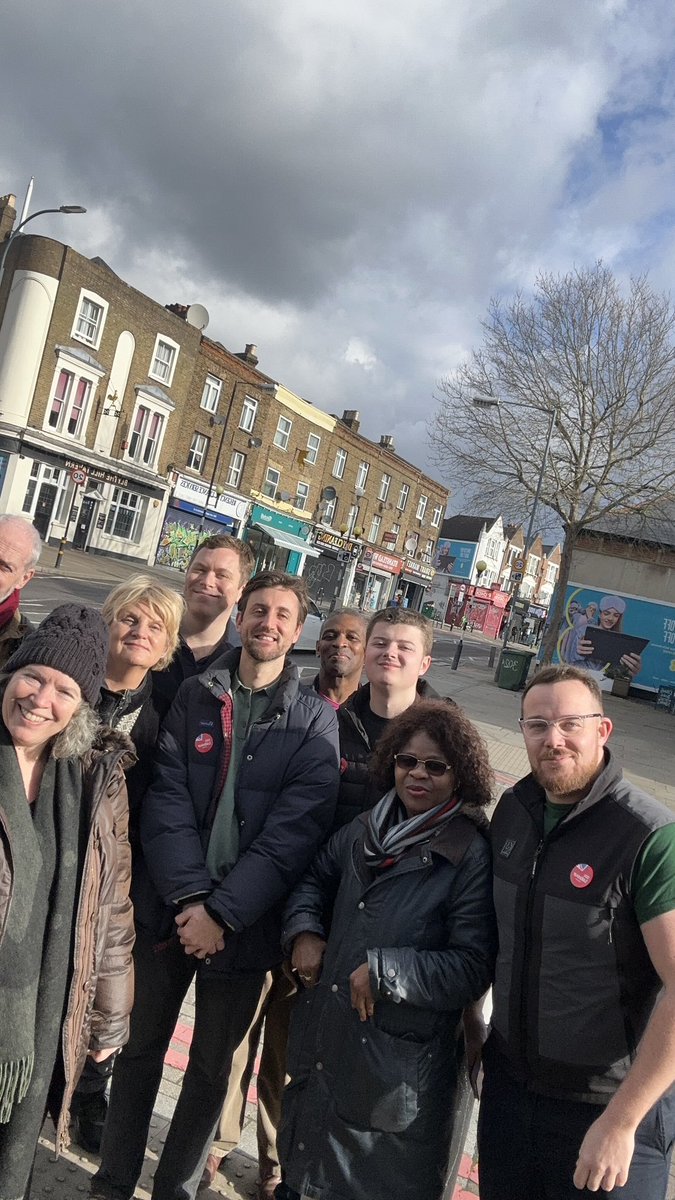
(578, 1095)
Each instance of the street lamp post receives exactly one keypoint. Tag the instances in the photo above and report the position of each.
(486, 402)
(64, 208)
(224, 422)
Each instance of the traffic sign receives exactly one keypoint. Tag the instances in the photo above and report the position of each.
(78, 476)
(519, 564)
(516, 576)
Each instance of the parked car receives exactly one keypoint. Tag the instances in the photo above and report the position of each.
(311, 628)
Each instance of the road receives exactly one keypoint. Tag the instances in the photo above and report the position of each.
(47, 591)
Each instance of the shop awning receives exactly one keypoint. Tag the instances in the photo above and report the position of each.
(288, 540)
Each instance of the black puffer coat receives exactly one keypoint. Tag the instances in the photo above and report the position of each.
(367, 1113)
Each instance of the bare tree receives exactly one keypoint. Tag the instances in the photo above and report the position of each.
(600, 359)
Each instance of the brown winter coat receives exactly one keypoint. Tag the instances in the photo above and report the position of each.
(100, 994)
(12, 635)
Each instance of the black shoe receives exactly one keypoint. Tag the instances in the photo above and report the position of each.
(88, 1122)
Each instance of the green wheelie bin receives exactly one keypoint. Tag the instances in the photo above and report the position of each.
(513, 668)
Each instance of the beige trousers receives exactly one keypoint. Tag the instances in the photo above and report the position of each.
(272, 1017)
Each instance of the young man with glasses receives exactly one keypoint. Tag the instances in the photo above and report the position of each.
(579, 1066)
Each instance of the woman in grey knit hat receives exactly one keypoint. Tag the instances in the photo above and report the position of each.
(66, 929)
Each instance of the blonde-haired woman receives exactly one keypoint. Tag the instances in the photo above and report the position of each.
(143, 619)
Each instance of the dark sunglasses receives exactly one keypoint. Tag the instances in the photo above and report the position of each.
(433, 766)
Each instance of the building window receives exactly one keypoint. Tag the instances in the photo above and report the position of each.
(436, 516)
(421, 507)
(164, 360)
(211, 394)
(302, 495)
(271, 484)
(339, 464)
(403, 497)
(283, 433)
(329, 511)
(374, 535)
(67, 412)
(313, 443)
(89, 319)
(198, 452)
(145, 436)
(362, 474)
(385, 484)
(248, 414)
(124, 516)
(235, 469)
(395, 529)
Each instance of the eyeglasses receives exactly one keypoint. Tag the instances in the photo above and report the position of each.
(433, 766)
(536, 727)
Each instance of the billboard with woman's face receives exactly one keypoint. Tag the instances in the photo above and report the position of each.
(615, 635)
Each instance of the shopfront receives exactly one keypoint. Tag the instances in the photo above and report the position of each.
(81, 499)
(416, 578)
(279, 542)
(325, 574)
(225, 513)
(376, 580)
(484, 609)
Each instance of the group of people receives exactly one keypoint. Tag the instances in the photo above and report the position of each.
(177, 806)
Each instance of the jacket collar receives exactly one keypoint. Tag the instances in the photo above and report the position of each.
(533, 795)
(218, 681)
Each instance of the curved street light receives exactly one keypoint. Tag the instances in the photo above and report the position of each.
(63, 208)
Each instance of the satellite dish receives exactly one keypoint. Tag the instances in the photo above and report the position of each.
(198, 316)
(254, 443)
(411, 545)
(328, 493)
(285, 496)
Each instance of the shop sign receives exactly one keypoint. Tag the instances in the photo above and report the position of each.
(267, 516)
(193, 492)
(335, 541)
(97, 473)
(389, 539)
(382, 562)
(420, 569)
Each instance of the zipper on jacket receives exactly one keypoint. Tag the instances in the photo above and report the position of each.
(535, 860)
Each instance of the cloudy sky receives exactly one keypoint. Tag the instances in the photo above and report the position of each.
(347, 185)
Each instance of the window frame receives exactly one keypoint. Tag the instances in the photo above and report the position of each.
(79, 372)
(202, 454)
(216, 386)
(312, 452)
(117, 507)
(231, 480)
(385, 485)
(87, 296)
(271, 495)
(421, 507)
(375, 527)
(167, 379)
(250, 405)
(157, 408)
(362, 474)
(436, 516)
(302, 484)
(341, 454)
(284, 437)
(403, 499)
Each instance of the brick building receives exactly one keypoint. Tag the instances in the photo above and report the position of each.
(175, 435)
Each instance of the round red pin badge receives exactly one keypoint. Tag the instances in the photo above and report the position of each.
(581, 875)
(203, 743)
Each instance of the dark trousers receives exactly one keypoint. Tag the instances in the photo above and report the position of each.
(528, 1144)
(224, 1009)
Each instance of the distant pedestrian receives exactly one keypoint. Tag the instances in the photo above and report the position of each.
(578, 1096)
(20, 548)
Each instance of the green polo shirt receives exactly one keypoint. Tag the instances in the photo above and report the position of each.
(248, 707)
(653, 884)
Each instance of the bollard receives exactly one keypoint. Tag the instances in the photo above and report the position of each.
(458, 655)
(491, 657)
(62, 546)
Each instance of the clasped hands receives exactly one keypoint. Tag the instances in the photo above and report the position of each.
(199, 934)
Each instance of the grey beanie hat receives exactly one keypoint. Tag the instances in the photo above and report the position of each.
(72, 639)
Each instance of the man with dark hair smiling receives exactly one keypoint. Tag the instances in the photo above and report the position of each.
(341, 649)
(580, 1062)
(244, 794)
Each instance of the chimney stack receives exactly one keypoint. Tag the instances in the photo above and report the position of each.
(387, 442)
(351, 417)
(7, 216)
(249, 355)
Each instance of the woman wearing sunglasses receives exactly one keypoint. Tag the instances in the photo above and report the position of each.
(373, 1043)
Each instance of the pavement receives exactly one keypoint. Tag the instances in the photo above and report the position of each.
(642, 737)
